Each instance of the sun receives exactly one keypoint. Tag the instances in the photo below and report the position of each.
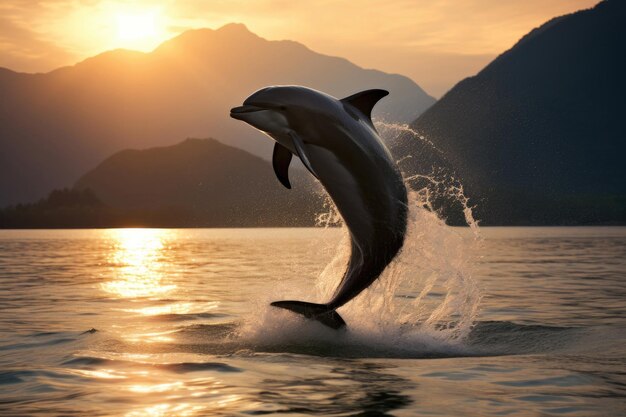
(139, 30)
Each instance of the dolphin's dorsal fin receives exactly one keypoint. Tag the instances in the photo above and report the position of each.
(365, 101)
(281, 160)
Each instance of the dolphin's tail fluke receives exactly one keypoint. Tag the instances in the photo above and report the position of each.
(319, 312)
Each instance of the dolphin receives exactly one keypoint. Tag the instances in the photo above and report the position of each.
(337, 142)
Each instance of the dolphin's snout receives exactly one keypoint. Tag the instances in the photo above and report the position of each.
(244, 109)
(238, 112)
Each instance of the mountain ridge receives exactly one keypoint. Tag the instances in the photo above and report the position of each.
(55, 125)
(536, 136)
(207, 183)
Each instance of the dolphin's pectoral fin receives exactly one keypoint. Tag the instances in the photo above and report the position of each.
(281, 160)
(299, 145)
(319, 312)
(365, 101)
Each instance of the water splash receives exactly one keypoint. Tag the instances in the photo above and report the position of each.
(426, 299)
(436, 262)
(392, 133)
(428, 289)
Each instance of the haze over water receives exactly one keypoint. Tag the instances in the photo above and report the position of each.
(181, 325)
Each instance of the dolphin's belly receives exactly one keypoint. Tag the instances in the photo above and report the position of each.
(369, 193)
(359, 174)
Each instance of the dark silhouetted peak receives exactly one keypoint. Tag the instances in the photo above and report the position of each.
(538, 136)
(228, 36)
(559, 37)
(235, 29)
(209, 182)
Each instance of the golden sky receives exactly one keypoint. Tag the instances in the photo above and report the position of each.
(435, 42)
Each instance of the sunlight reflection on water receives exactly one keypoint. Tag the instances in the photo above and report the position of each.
(138, 254)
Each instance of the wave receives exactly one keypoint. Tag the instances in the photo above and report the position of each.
(283, 333)
(89, 362)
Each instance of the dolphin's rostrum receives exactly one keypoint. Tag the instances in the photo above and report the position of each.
(337, 142)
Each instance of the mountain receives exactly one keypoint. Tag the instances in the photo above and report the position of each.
(538, 136)
(202, 182)
(56, 125)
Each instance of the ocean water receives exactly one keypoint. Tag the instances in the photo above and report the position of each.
(160, 322)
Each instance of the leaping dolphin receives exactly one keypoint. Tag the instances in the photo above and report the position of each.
(338, 143)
